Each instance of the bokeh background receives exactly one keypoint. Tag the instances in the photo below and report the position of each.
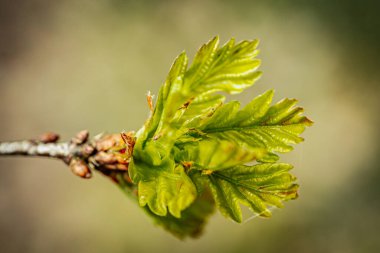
(72, 65)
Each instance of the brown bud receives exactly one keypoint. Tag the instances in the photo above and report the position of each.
(48, 137)
(107, 142)
(122, 166)
(116, 166)
(80, 137)
(80, 168)
(105, 158)
(87, 150)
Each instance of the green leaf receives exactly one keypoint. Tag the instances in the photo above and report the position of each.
(193, 219)
(231, 136)
(257, 187)
(258, 125)
(232, 68)
(165, 190)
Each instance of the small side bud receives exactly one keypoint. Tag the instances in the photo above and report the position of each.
(105, 158)
(49, 137)
(80, 137)
(107, 142)
(87, 150)
(80, 168)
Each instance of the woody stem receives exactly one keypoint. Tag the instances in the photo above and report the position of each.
(61, 151)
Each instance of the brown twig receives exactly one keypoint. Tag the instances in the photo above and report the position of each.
(109, 154)
(32, 148)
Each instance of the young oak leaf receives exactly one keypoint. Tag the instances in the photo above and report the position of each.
(162, 188)
(231, 136)
(257, 187)
(167, 191)
(231, 68)
(192, 220)
(258, 125)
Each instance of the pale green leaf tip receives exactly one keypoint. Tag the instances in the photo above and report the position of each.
(214, 40)
(174, 212)
(308, 122)
(258, 75)
(182, 55)
(270, 92)
(238, 219)
(257, 42)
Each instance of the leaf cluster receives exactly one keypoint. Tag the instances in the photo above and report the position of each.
(194, 145)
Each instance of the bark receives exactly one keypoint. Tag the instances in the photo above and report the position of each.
(32, 148)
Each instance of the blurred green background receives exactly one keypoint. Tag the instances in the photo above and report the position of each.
(72, 65)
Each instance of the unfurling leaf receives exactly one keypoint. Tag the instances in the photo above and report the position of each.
(255, 186)
(163, 190)
(192, 220)
(252, 133)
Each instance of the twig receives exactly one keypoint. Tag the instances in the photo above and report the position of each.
(32, 148)
(109, 154)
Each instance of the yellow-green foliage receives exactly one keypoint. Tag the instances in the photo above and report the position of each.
(194, 144)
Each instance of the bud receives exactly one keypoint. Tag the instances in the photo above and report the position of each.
(87, 150)
(107, 142)
(81, 137)
(48, 137)
(80, 168)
